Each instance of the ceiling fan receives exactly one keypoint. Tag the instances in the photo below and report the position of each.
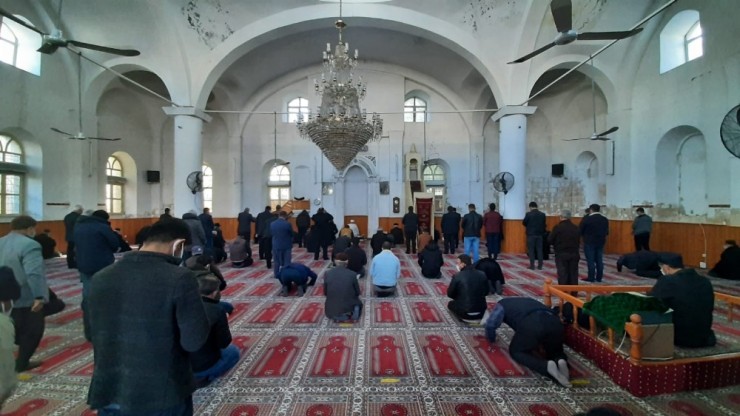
(80, 135)
(562, 13)
(51, 42)
(595, 136)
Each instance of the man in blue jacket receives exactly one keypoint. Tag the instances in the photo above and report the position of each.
(298, 274)
(207, 221)
(95, 244)
(282, 242)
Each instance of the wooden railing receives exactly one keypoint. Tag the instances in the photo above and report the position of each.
(633, 328)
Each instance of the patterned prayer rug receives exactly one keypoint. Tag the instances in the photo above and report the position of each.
(406, 356)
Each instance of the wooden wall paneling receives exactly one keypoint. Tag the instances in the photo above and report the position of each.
(387, 223)
(361, 221)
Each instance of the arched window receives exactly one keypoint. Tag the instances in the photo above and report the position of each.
(18, 46)
(114, 186)
(207, 187)
(297, 106)
(278, 185)
(414, 110)
(12, 172)
(436, 184)
(681, 40)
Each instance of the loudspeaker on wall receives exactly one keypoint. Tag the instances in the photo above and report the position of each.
(558, 169)
(152, 176)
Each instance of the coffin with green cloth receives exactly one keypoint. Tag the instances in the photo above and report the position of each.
(614, 310)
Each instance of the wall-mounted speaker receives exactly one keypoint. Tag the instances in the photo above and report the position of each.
(558, 170)
(152, 176)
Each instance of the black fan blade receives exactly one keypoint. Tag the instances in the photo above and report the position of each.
(610, 131)
(562, 13)
(20, 22)
(50, 47)
(533, 54)
(122, 52)
(105, 139)
(571, 140)
(608, 35)
(61, 132)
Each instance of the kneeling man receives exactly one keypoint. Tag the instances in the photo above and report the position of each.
(468, 290)
(342, 292)
(298, 274)
(385, 270)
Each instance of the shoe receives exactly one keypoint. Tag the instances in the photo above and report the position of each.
(531, 267)
(284, 292)
(563, 368)
(301, 291)
(30, 366)
(588, 280)
(539, 267)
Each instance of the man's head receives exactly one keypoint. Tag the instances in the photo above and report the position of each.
(380, 230)
(464, 261)
(101, 214)
(565, 214)
(594, 208)
(492, 206)
(395, 225)
(268, 208)
(730, 243)
(341, 260)
(217, 225)
(24, 224)
(246, 210)
(640, 211)
(471, 207)
(206, 210)
(532, 205)
(166, 210)
(450, 209)
(278, 207)
(411, 209)
(387, 245)
(283, 214)
(167, 237)
(670, 263)
(208, 285)
(47, 231)
(78, 209)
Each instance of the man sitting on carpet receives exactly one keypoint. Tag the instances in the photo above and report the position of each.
(342, 292)
(385, 270)
(728, 266)
(298, 274)
(357, 258)
(494, 274)
(538, 336)
(204, 262)
(376, 242)
(691, 297)
(218, 355)
(644, 263)
(468, 290)
(431, 261)
(240, 252)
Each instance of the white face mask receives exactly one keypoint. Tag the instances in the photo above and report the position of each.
(457, 266)
(2, 306)
(178, 247)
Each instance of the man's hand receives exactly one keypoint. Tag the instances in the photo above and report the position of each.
(38, 305)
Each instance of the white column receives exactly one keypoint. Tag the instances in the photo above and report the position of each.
(373, 205)
(188, 156)
(513, 158)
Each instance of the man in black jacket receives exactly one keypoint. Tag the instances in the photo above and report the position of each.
(468, 290)
(594, 229)
(218, 355)
(69, 226)
(145, 317)
(264, 234)
(471, 224)
(728, 266)
(535, 223)
(644, 263)
(356, 258)
(342, 292)
(431, 261)
(494, 274)
(450, 230)
(302, 221)
(410, 229)
(377, 240)
(397, 234)
(244, 227)
(566, 239)
(325, 229)
(262, 219)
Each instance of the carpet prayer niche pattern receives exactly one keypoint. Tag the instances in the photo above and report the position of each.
(406, 355)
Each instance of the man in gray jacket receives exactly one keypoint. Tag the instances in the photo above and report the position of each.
(342, 292)
(642, 226)
(20, 252)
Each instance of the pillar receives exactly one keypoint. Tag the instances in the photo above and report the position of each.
(513, 157)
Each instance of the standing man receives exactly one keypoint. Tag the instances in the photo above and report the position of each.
(385, 271)
(244, 227)
(594, 229)
(642, 226)
(146, 316)
(566, 239)
(450, 230)
(410, 229)
(282, 242)
(263, 219)
(96, 243)
(69, 226)
(535, 223)
(303, 222)
(166, 215)
(494, 222)
(324, 223)
(21, 253)
(207, 221)
(458, 219)
(468, 290)
(472, 222)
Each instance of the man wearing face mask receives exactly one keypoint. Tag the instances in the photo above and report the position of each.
(9, 293)
(21, 253)
(146, 316)
(468, 290)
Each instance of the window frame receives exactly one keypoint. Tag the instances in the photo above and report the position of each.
(294, 110)
(15, 169)
(207, 190)
(24, 54)
(417, 113)
(14, 44)
(437, 181)
(278, 182)
(688, 41)
(115, 181)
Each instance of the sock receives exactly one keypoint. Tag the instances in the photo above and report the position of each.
(552, 369)
(563, 368)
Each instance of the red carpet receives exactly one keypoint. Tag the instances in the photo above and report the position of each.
(406, 355)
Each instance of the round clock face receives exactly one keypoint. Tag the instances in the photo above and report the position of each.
(317, 201)
(730, 131)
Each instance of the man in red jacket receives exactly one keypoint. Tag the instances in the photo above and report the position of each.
(493, 222)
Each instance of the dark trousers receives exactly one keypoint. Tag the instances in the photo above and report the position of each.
(463, 314)
(595, 261)
(493, 243)
(71, 257)
(324, 246)
(183, 409)
(410, 241)
(86, 279)
(538, 332)
(449, 243)
(29, 329)
(292, 277)
(282, 259)
(642, 242)
(567, 265)
(534, 250)
(266, 250)
(301, 235)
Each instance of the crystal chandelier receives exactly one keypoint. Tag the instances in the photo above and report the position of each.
(340, 129)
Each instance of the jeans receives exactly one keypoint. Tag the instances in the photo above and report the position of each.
(534, 250)
(353, 316)
(493, 242)
(183, 409)
(595, 261)
(281, 258)
(471, 246)
(229, 358)
(86, 279)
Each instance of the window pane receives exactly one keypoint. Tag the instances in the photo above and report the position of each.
(694, 49)
(420, 117)
(208, 181)
(274, 193)
(284, 194)
(13, 184)
(12, 204)
(207, 194)
(117, 191)
(117, 206)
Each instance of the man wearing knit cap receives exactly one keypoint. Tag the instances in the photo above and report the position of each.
(691, 297)
(9, 293)
(21, 253)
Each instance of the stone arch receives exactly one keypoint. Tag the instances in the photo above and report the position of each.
(364, 163)
(680, 163)
(587, 170)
